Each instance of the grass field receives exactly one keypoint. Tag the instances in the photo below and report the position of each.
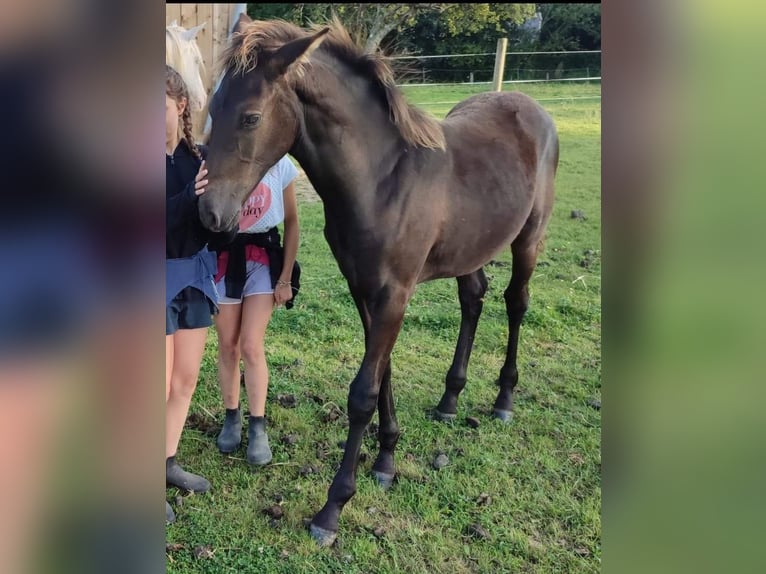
(532, 486)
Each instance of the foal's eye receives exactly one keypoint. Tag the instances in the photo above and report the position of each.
(250, 120)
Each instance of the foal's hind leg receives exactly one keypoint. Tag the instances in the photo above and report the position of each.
(471, 290)
(384, 468)
(516, 303)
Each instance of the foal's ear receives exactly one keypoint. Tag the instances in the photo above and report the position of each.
(241, 23)
(297, 51)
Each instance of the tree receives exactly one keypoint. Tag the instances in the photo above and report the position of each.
(473, 18)
(368, 24)
(371, 24)
(463, 29)
(570, 27)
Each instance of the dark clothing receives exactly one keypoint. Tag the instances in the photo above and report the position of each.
(190, 294)
(190, 309)
(236, 266)
(185, 235)
(197, 271)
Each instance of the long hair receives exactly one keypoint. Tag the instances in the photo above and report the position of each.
(175, 87)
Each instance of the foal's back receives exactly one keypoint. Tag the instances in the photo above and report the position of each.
(502, 155)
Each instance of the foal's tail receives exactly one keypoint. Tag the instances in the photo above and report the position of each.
(547, 167)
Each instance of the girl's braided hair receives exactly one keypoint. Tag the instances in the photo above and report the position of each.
(175, 87)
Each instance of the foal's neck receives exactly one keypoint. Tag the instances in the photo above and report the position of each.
(347, 141)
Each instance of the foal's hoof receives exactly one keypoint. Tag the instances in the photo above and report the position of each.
(505, 416)
(384, 480)
(323, 537)
(444, 417)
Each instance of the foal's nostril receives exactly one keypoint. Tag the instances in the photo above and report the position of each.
(210, 219)
(216, 221)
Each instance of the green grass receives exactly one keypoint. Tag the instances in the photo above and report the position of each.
(542, 472)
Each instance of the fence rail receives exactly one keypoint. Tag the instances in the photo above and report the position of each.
(564, 99)
(594, 78)
(479, 67)
(492, 54)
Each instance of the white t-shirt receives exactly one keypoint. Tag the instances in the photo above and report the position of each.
(265, 207)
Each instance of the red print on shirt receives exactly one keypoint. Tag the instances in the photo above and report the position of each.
(255, 207)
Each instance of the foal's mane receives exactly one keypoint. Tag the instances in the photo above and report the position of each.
(241, 56)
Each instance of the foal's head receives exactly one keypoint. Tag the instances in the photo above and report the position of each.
(255, 113)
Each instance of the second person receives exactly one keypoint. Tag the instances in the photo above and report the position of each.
(253, 277)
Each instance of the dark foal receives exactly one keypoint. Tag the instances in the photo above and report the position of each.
(407, 199)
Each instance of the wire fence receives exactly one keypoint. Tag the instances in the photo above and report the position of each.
(474, 72)
(479, 68)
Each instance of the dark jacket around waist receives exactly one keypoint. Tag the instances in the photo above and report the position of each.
(236, 267)
(196, 271)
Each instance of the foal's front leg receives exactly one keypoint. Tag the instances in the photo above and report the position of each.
(386, 308)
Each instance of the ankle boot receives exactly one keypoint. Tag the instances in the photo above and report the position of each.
(177, 476)
(170, 516)
(258, 451)
(231, 433)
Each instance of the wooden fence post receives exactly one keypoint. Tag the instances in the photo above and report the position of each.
(497, 79)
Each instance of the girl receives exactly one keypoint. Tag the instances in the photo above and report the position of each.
(190, 297)
(254, 276)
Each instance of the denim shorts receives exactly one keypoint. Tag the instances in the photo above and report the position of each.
(257, 282)
(190, 309)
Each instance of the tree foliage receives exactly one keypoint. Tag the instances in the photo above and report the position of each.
(370, 24)
(466, 19)
(570, 27)
(435, 28)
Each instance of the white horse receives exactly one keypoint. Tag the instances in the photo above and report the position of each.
(183, 54)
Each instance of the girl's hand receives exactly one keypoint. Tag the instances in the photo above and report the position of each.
(200, 182)
(282, 293)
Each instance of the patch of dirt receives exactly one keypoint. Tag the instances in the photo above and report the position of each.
(202, 423)
(331, 412)
(477, 531)
(308, 469)
(275, 512)
(287, 401)
(289, 439)
(440, 461)
(304, 191)
(203, 551)
(484, 499)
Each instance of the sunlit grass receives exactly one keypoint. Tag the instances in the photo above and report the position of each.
(542, 472)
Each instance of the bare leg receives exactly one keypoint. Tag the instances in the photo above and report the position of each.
(168, 364)
(256, 314)
(227, 325)
(188, 347)
(471, 290)
(386, 310)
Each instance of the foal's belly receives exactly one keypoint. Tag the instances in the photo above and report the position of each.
(469, 243)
